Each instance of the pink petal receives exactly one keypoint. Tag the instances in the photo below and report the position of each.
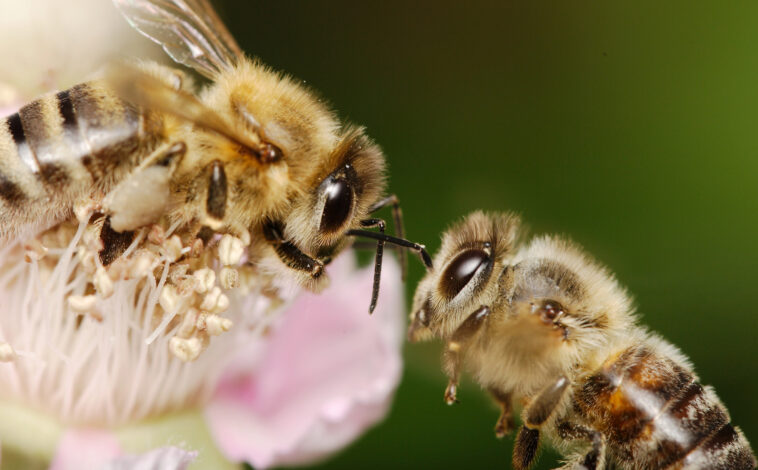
(94, 449)
(164, 458)
(85, 449)
(7, 111)
(329, 373)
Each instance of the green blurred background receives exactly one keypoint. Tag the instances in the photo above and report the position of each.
(630, 126)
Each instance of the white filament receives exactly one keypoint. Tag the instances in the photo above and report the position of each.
(109, 372)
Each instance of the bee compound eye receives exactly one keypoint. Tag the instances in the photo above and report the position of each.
(339, 201)
(460, 271)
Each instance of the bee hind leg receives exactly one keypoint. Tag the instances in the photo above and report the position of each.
(535, 415)
(144, 195)
(594, 459)
(504, 423)
(453, 351)
(114, 243)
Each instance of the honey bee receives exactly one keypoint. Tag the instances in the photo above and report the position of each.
(544, 325)
(253, 154)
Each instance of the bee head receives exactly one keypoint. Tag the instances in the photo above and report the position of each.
(337, 199)
(472, 255)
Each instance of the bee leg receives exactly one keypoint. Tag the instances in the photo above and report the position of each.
(289, 253)
(114, 243)
(592, 460)
(381, 225)
(543, 406)
(419, 327)
(166, 156)
(266, 152)
(365, 246)
(143, 196)
(215, 204)
(398, 242)
(397, 217)
(205, 234)
(536, 414)
(453, 351)
(525, 448)
(504, 423)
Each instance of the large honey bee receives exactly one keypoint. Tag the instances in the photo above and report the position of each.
(253, 154)
(544, 325)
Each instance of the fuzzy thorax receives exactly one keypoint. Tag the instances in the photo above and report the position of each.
(271, 107)
(554, 311)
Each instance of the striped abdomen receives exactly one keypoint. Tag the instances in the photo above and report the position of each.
(63, 147)
(655, 415)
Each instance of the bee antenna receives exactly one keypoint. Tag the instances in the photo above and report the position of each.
(418, 248)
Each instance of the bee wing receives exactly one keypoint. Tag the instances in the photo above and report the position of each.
(141, 89)
(190, 32)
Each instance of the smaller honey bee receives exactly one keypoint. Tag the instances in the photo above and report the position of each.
(545, 325)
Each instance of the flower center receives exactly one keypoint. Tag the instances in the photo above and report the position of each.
(112, 345)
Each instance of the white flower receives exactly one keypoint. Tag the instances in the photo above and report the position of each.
(53, 44)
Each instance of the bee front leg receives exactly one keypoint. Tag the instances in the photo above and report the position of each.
(289, 253)
(504, 423)
(453, 352)
(397, 215)
(535, 415)
(592, 460)
(215, 207)
(381, 225)
(215, 204)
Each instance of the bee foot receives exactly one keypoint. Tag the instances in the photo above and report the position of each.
(450, 393)
(503, 428)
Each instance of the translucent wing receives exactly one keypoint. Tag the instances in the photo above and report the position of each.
(140, 89)
(190, 32)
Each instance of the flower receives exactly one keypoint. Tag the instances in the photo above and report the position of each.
(326, 375)
(63, 43)
(88, 378)
(155, 361)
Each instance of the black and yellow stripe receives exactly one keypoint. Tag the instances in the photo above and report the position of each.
(65, 145)
(655, 414)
